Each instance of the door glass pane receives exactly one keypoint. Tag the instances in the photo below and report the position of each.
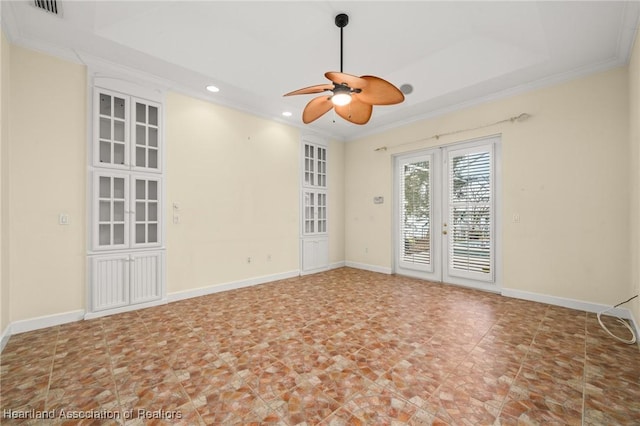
(118, 211)
(104, 238)
(140, 189)
(140, 154)
(105, 128)
(105, 187)
(118, 234)
(141, 116)
(470, 215)
(140, 212)
(153, 158)
(105, 211)
(415, 214)
(105, 152)
(140, 234)
(153, 136)
(118, 108)
(118, 130)
(152, 211)
(152, 233)
(141, 138)
(153, 115)
(105, 104)
(153, 190)
(118, 153)
(118, 188)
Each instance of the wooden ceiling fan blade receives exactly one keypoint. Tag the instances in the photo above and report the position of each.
(353, 81)
(319, 88)
(356, 111)
(380, 92)
(316, 108)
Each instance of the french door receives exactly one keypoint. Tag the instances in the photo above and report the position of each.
(446, 216)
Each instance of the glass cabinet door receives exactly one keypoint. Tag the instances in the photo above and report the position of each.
(315, 166)
(110, 205)
(146, 211)
(146, 135)
(111, 132)
(315, 212)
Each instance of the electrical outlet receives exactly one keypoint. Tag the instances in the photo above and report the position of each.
(516, 218)
(248, 260)
(268, 258)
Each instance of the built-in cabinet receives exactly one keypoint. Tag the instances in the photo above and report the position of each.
(315, 229)
(126, 255)
(127, 210)
(126, 279)
(126, 132)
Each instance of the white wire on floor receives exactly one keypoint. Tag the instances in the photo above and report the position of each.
(621, 321)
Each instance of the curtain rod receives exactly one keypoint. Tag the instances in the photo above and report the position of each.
(521, 117)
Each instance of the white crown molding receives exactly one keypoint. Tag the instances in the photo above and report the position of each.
(8, 21)
(630, 25)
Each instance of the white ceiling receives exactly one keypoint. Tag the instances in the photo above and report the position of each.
(452, 53)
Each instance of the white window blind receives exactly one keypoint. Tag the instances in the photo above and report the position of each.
(470, 211)
(415, 213)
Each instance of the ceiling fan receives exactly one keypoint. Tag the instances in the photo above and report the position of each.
(352, 97)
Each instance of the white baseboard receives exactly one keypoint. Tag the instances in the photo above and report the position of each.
(337, 265)
(572, 304)
(203, 291)
(106, 312)
(4, 337)
(367, 267)
(22, 326)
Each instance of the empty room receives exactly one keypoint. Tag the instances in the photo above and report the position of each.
(319, 212)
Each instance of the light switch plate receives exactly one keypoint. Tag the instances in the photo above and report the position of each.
(63, 219)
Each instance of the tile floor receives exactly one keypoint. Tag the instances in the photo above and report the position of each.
(341, 347)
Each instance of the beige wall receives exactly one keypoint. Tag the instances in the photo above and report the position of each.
(47, 138)
(335, 170)
(634, 137)
(4, 141)
(235, 178)
(565, 172)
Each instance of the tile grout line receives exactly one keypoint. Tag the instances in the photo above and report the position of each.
(113, 376)
(53, 360)
(173, 371)
(584, 370)
(524, 357)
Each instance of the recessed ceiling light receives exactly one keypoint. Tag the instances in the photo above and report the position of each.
(287, 114)
(213, 89)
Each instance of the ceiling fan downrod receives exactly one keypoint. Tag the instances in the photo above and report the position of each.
(342, 20)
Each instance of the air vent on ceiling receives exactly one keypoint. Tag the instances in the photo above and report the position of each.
(50, 6)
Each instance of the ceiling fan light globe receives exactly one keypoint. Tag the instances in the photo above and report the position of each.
(341, 99)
